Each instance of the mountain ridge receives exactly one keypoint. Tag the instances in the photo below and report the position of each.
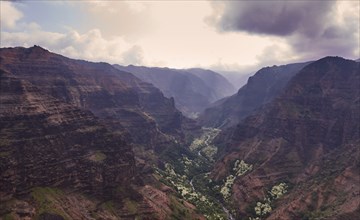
(192, 89)
(260, 89)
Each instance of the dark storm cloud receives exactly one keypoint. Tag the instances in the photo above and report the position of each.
(274, 17)
(311, 28)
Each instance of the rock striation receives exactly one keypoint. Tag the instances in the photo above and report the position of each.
(46, 142)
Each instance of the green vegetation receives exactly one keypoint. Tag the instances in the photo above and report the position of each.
(8, 217)
(98, 157)
(178, 210)
(263, 208)
(239, 169)
(109, 206)
(42, 194)
(187, 171)
(131, 206)
(278, 191)
(4, 142)
(204, 203)
(203, 147)
(5, 154)
(45, 198)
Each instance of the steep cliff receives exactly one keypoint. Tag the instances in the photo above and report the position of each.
(260, 89)
(302, 148)
(45, 142)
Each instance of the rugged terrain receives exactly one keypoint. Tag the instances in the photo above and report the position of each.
(192, 89)
(69, 130)
(260, 89)
(83, 140)
(301, 152)
(46, 142)
(118, 98)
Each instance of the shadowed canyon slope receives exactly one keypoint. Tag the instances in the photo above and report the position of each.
(303, 148)
(193, 89)
(118, 98)
(45, 141)
(68, 132)
(261, 88)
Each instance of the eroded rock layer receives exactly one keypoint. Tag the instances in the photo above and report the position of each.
(46, 142)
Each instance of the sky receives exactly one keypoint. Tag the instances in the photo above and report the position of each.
(220, 35)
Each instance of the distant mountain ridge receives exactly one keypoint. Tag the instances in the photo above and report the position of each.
(261, 88)
(192, 89)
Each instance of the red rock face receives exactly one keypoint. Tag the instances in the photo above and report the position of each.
(309, 138)
(46, 142)
(66, 123)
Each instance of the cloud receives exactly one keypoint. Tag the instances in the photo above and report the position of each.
(123, 18)
(312, 28)
(174, 34)
(89, 46)
(133, 56)
(9, 15)
(273, 17)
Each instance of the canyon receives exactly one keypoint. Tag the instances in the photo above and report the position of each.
(86, 140)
